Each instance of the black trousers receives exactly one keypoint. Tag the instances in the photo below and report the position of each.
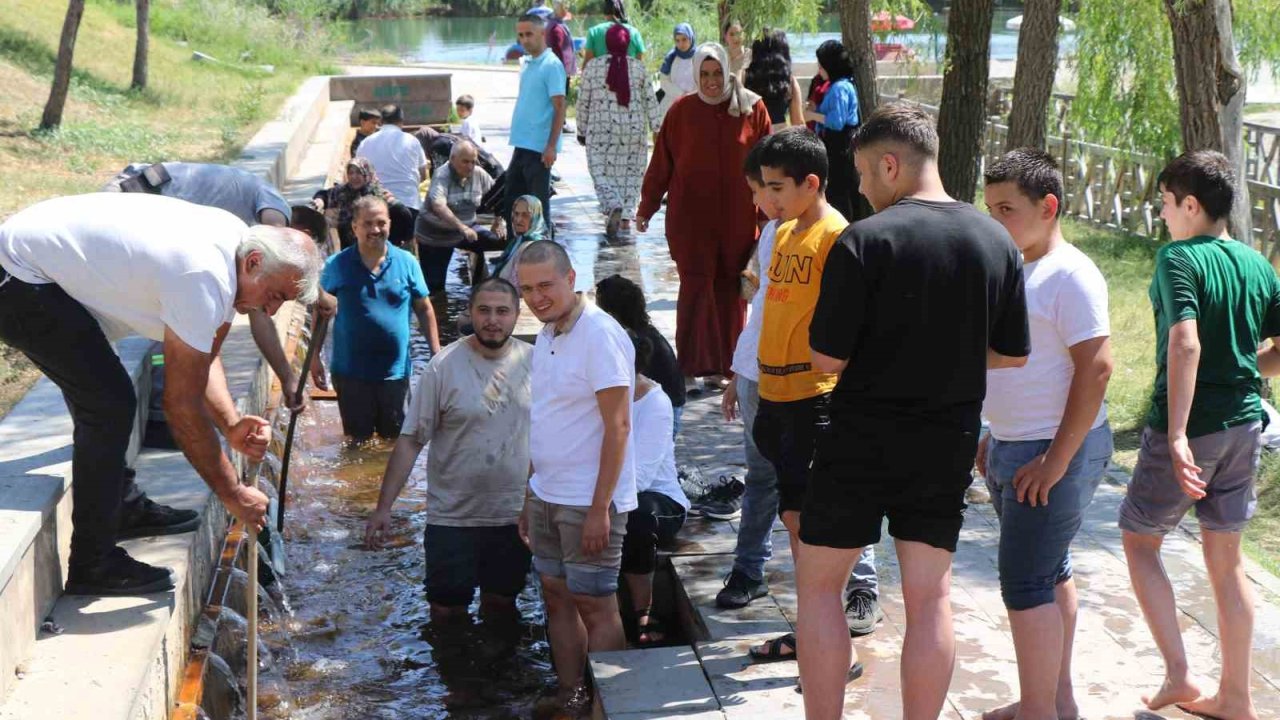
(842, 177)
(367, 407)
(526, 175)
(61, 338)
(435, 260)
(654, 523)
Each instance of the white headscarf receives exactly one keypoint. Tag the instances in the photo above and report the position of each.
(741, 100)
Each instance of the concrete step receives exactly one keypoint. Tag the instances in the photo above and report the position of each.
(35, 505)
(627, 683)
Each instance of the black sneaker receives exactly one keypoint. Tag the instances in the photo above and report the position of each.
(863, 612)
(723, 502)
(118, 574)
(739, 590)
(147, 518)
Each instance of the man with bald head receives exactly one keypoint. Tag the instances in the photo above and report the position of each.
(582, 469)
(79, 272)
(450, 220)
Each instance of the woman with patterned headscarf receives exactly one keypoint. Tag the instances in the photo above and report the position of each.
(527, 225)
(675, 77)
(341, 199)
(616, 115)
(711, 220)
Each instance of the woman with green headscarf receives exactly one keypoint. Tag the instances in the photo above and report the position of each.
(527, 225)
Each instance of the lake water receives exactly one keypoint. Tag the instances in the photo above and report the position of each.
(484, 40)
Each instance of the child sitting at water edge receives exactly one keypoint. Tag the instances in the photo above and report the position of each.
(370, 120)
(465, 106)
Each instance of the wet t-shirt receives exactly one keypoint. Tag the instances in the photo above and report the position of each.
(912, 297)
(473, 414)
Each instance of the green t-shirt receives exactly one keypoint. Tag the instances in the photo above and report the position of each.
(1233, 294)
(595, 40)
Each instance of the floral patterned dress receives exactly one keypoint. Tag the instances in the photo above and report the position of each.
(617, 137)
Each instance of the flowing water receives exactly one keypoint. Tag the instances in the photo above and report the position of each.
(485, 39)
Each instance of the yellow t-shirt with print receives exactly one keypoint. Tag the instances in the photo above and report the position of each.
(795, 279)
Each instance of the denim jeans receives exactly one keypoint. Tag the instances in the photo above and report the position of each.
(61, 338)
(760, 505)
(1035, 542)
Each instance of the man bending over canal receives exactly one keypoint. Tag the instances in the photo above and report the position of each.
(378, 286)
(471, 405)
(79, 272)
(582, 482)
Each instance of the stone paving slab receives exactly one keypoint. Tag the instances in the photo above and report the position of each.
(700, 578)
(701, 536)
(665, 680)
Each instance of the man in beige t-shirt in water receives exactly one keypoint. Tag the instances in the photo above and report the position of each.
(471, 405)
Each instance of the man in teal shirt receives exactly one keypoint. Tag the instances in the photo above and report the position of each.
(1216, 302)
(538, 118)
(378, 287)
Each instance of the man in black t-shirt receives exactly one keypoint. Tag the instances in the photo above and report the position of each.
(917, 302)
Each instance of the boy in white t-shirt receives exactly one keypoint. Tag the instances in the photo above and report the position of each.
(1050, 442)
(465, 106)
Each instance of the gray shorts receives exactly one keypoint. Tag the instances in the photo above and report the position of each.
(1228, 461)
(555, 536)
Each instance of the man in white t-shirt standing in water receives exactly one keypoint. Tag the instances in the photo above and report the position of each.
(582, 473)
(79, 272)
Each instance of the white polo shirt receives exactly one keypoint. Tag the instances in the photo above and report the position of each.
(138, 262)
(396, 157)
(566, 427)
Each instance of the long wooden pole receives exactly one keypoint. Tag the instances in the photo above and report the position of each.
(252, 605)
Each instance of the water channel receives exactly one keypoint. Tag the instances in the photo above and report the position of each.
(484, 39)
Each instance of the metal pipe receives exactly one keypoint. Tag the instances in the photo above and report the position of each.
(317, 340)
(252, 605)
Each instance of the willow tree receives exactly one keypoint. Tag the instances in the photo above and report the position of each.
(855, 33)
(1211, 90)
(1036, 69)
(142, 45)
(963, 112)
(52, 116)
(1140, 90)
(658, 19)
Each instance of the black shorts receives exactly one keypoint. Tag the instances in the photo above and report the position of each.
(909, 471)
(367, 406)
(460, 559)
(786, 434)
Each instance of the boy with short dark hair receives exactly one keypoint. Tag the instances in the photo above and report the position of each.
(370, 120)
(1050, 442)
(465, 106)
(1215, 301)
(793, 395)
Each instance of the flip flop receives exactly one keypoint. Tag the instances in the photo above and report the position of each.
(855, 672)
(774, 652)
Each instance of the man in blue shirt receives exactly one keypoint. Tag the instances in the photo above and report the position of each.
(538, 117)
(377, 286)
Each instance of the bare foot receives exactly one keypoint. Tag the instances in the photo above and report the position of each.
(1171, 692)
(1219, 709)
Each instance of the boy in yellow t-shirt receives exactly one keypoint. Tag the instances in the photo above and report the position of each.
(793, 396)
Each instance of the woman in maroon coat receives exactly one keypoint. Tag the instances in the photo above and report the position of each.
(711, 221)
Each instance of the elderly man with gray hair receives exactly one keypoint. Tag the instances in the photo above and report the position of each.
(450, 218)
(79, 272)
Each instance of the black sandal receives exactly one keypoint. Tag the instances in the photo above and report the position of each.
(648, 629)
(773, 650)
(855, 672)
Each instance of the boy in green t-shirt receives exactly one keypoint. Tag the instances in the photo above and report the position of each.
(1215, 301)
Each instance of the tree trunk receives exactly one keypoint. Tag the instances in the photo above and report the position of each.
(1211, 90)
(1033, 79)
(141, 48)
(962, 116)
(855, 29)
(52, 117)
(722, 16)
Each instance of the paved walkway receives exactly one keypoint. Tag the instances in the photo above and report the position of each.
(1115, 659)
